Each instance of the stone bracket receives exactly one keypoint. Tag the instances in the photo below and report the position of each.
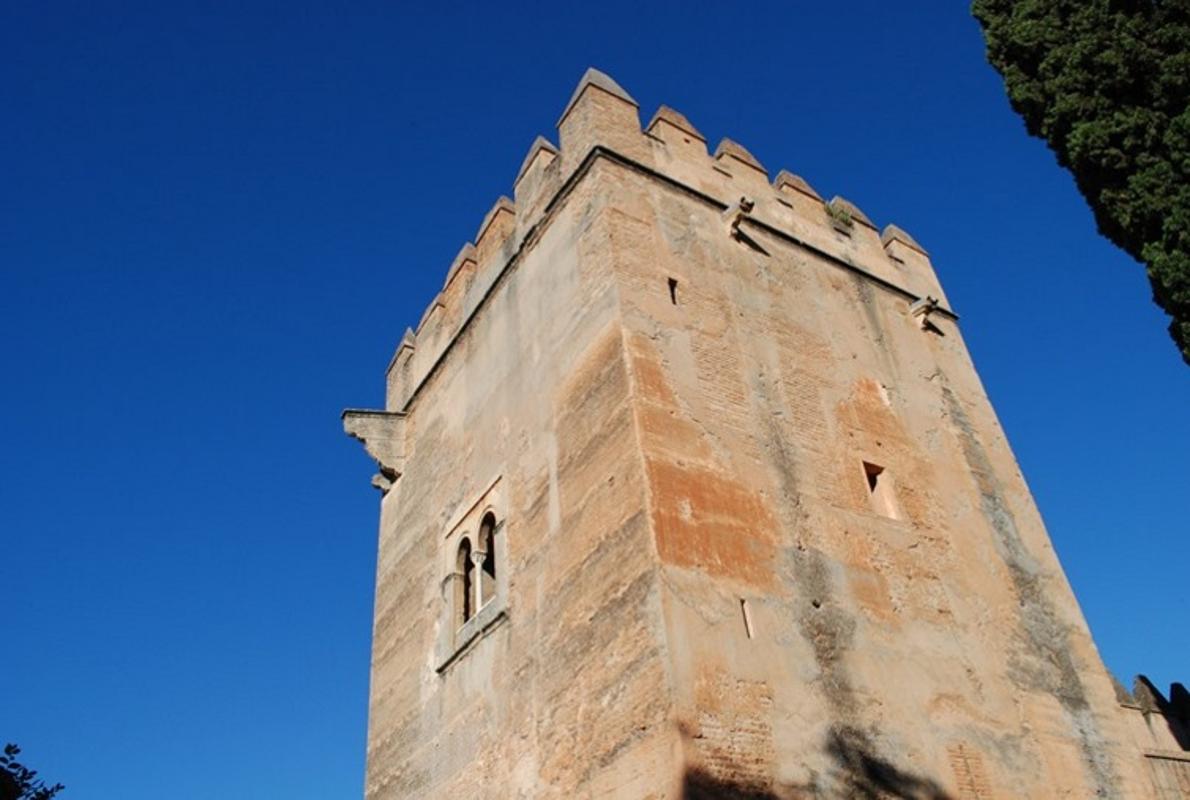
(736, 213)
(921, 310)
(383, 437)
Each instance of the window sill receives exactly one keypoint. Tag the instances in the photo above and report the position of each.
(488, 619)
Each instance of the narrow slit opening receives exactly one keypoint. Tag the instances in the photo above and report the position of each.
(747, 615)
(673, 291)
(881, 491)
(873, 473)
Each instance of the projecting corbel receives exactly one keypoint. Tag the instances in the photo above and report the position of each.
(733, 218)
(383, 437)
(735, 214)
(921, 311)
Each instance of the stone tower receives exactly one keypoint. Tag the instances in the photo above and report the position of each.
(690, 489)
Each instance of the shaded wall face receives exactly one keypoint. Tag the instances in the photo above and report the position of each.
(860, 596)
(567, 692)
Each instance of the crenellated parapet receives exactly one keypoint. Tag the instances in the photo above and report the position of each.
(904, 250)
(600, 114)
(672, 129)
(602, 120)
(398, 373)
(788, 184)
(497, 225)
(1159, 725)
(537, 179)
(462, 269)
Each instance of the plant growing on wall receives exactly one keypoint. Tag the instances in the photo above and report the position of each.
(840, 216)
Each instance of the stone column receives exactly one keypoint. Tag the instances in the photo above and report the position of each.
(477, 558)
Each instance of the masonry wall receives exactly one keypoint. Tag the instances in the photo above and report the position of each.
(569, 692)
(941, 652)
(676, 394)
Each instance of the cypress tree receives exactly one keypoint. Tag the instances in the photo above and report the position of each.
(1106, 84)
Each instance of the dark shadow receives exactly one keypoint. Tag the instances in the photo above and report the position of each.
(1175, 711)
(1179, 704)
(857, 773)
(698, 785)
(1179, 700)
(868, 776)
(748, 240)
(932, 328)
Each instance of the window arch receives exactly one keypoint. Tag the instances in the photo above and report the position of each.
(475, 592)
(464, 593)
(487, 541)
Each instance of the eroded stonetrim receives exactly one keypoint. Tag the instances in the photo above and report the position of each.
(383, 437)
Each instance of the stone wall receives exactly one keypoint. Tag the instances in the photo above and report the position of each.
(761, 532)
(1159, 728)
(569, 688)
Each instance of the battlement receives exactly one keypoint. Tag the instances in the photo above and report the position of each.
(1159, 726)
(602, 120)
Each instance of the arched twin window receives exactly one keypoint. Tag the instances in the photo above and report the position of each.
(476, 567)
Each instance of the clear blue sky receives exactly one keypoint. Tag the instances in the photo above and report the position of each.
(215, 223)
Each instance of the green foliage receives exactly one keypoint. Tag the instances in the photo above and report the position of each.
(1107, 84)
(839, 214)
(18, 782)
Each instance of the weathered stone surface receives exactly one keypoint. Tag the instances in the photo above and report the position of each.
(465, 258)
(763, 535)
(668, 116)
(787, 181)
(892, 233)
(540, 147)
(383, 436)
(729, 149)
(601, 81)
(845, 205)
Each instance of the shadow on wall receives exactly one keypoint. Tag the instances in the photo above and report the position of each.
(857, 773)
(1179, 707)
(1147, 698)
